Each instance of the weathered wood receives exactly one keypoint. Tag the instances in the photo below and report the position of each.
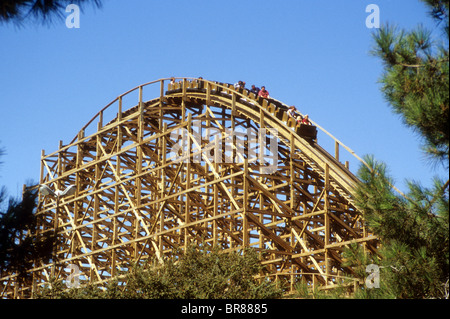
(136, 199)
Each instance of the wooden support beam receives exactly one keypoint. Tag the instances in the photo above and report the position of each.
(133, 201)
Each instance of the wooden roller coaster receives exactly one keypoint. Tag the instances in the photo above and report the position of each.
(191, 165)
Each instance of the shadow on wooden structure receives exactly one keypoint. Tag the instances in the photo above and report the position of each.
(200, 162)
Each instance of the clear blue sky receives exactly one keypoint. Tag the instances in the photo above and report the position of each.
(313, 54)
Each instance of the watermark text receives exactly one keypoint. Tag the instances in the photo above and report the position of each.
(373, 19)
(73, 19)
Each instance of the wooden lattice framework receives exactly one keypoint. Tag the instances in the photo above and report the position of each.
(135, 198)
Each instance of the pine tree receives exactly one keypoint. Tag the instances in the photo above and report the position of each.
(413, 229)
(413, 232)
(415, 80)
(44, 11)
(19, 247)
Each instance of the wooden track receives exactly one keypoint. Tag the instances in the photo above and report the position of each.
(136, 199)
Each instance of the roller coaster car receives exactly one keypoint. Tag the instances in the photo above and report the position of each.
(308, 132)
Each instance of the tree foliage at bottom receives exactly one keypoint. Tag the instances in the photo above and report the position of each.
(194, 274)
(20, 247)
(414, 232)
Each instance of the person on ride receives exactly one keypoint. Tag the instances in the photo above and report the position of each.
(255, 89)
(306, 120)
(292, 112)
(263, 92)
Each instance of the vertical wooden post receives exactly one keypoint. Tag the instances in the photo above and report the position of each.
(138, 168)
(291, 167)
(188, 183)
(41, 176)
(261, 119)
(292, 198)
(38, 226)
(215, 208)
(97, 175)
(161, 105)
(141, 90)
(336, 150)
(246, 241)
(114, 235)
(208, 93)
(116, 192)
(56, 220)
(100, 121)
(327, 221)
(161, 92)
(59, 165)
(233, 103)
(78, 163)
(162, 158)
(119, 111)
(41, 180)
(183, 90)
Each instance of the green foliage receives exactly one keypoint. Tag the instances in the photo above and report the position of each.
(195, 274)
(413, 230)
(303, 290)
(416, 79)
(414, 233)
(19, 247)
(19, 10)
